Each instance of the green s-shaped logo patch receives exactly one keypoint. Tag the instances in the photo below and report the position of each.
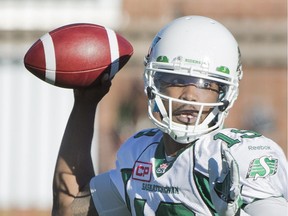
(262, 167)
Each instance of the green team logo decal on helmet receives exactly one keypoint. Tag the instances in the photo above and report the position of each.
(262, 167)
(162, 59)
(223, 69)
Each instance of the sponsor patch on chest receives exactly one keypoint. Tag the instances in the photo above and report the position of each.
(142, 171)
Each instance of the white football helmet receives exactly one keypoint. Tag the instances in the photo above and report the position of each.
(197, 50)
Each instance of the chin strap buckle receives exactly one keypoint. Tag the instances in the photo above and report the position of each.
(224, 106)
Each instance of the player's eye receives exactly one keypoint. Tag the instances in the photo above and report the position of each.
(206, 84)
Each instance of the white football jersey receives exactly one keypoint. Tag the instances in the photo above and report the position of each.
(151, 184)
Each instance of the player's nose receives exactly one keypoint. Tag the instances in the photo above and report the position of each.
(189, 93)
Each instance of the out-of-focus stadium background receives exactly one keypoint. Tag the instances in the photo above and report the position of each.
(33, 114)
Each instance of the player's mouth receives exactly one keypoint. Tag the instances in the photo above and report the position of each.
(187, 117)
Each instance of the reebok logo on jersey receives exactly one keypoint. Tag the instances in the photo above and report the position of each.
(142, 171)
(262, 167)
(259, 147)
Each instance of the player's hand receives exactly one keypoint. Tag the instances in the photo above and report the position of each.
(225, 187)
(95, 93)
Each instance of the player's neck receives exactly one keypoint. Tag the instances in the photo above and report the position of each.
(171, 147)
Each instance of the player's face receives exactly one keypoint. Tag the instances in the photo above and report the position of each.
(189, 89)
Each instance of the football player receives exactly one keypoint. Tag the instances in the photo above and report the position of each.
(188, 164)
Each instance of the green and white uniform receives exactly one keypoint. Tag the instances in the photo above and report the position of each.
(149, 183)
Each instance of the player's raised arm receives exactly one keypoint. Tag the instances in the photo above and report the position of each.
(85, 57)
(74, 167)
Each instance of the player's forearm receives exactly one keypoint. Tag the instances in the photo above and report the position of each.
(74, 167)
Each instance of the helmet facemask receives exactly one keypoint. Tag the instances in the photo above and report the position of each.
(162, 107)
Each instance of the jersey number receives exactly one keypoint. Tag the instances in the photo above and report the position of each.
(230, 142)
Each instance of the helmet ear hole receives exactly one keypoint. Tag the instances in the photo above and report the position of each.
(224, 106)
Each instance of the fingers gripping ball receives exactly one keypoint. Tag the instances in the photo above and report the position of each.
(225, 187)
(76, 55)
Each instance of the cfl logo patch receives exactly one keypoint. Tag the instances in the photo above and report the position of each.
(142, 171)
